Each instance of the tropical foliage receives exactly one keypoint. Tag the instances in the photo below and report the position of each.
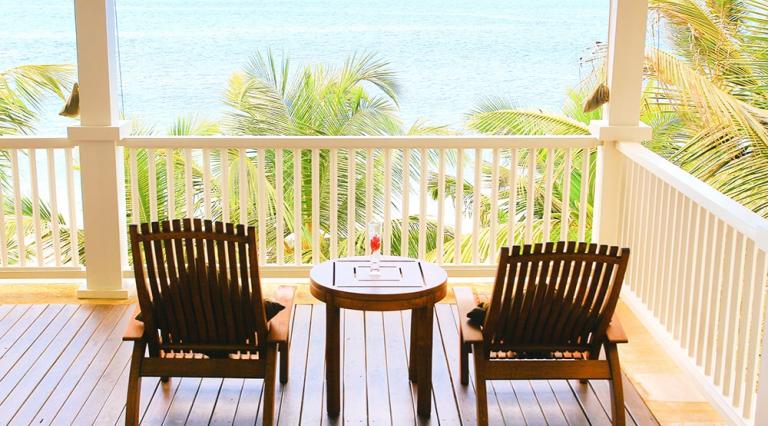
(706, 96)
(267, 98)
(23, 90)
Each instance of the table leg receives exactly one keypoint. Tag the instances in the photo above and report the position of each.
(424, 371)
(414, 354)
(332, 348)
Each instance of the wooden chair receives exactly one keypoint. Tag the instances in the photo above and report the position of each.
(202, 312)
(550, 313)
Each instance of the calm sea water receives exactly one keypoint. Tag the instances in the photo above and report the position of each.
(176, 56)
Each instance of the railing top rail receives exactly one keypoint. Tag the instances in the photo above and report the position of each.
(35, 142)
(327, 142)
(725, 208)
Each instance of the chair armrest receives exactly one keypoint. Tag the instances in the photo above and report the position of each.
(615, 333)
(465, 302)
(135, 329)
(280, 325)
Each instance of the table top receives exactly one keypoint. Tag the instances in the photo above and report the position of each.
(404, 283)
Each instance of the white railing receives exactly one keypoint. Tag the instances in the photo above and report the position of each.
(40, 208)
(698, 275)
(317, 208)
(407, 183)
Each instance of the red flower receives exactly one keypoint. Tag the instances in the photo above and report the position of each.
(375, 243)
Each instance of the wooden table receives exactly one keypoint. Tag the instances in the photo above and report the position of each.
(403, 284)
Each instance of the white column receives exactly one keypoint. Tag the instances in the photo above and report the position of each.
(626, 54)
(101, 160)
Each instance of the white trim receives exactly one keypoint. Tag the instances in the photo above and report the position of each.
(601, 130)
(31, 142)
(360, 142)
(681, 358)
(734, 214)
(86, 293)
(99, 133)
(58, 272)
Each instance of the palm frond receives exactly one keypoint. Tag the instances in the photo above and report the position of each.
(193, 125)
(495, 117)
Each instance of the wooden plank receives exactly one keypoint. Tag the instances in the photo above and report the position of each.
(89, 410)
(639, 412)
(24, 318)
(290, 405)
(230, 394)
(406, 317)
(465, 395)
(250, 393)
(149, 387)
(58, 359)
(115, 402)
(548, 402)
(205, 401)
(312, 408)
(590, 403)
(354, 397)
(96, 368)
(400, 396)
(42, 330)
(4, 309)
(446, 410)
(503, 394)
(12, 316)
(27, 371)
(376, 370)
(160, 402)
(529, 405)
(339, 419)
(450, 336)
(601, 389)
(79, 355)
(568, 403)
(81, 377)
(181, 405)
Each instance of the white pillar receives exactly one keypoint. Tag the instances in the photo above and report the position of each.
(626, 54)
(101, 160)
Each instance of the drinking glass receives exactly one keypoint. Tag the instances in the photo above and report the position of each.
(374, 239)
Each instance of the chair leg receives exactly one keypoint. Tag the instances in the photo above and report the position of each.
(269, 385)
(134, 385)
(480, 390)
(284, 349)
(617, 392)
(464, 349)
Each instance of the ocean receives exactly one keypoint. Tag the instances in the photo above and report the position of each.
(176, 56)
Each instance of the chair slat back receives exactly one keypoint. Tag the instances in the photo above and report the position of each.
(554, 297)
(198, 284)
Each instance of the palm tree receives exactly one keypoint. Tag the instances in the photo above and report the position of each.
(22, 92)
(266, 98)
(714, 81)
(358, 99)
(706, 97)
(500, 117)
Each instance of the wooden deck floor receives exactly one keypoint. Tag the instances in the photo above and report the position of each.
(65, 364)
